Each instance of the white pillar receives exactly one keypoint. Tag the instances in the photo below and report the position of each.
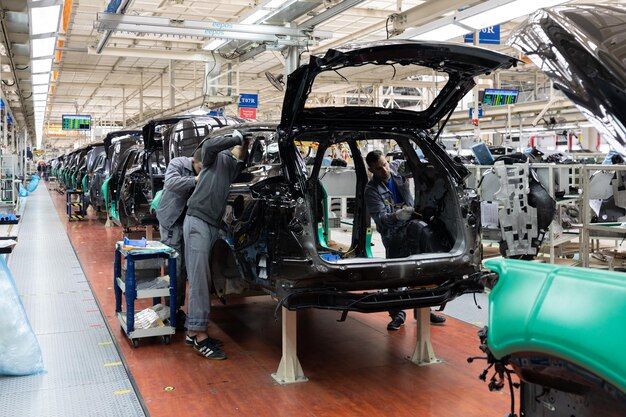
(171, 83)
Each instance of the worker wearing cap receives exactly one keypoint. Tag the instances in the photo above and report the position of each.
(390, 202)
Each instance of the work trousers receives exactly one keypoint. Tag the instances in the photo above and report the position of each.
(199, 237)
(173, 237)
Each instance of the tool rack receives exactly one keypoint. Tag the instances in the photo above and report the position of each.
(127, 284)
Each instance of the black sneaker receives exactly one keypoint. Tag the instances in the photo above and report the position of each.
(397, 320)
(191, 340)
(209, 350)
(436, 318)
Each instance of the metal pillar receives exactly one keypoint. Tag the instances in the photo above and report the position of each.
(475, 95)
(586, 219)
(5, 126)
(289, 371)
(171, 83)
(424, 353)
(141, 96)
(123, 107)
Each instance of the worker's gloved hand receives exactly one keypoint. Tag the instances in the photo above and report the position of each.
(247, 138)
(405, 213)
(237, 134)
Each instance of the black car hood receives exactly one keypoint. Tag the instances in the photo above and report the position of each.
(582, 49)
(461, 62)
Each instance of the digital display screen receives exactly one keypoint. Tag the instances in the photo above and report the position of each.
(76, 122)
(499, 97)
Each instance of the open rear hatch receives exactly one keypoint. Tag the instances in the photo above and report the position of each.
(408, 62)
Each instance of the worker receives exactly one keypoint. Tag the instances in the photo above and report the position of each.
(181, 177)
(205, 209)
(390, 203)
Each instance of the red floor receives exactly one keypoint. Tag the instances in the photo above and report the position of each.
(355, 368)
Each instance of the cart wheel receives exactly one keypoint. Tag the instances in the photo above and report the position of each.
(166, 339)
(135, 343)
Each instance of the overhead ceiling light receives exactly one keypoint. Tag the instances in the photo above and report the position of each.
(443, 33)
(275, 4)
(41, 78)
(38, 89)
(41, 65)
(256, 16)
(486, 15)
(43, 47)
(44, 19)
(40, 97)
(214, 44)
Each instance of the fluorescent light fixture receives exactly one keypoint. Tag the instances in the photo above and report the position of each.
(41, 78)
(43, 47)
(275, 4)
(41, 65)
(256, 16)
(486, 15)
(214, 44)
(442, 33)
(40, 97)
(44, 19)
(38, 89)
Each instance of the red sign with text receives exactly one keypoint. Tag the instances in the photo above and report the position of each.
(247, 113)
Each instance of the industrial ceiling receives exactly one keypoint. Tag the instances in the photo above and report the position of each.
(147, 58)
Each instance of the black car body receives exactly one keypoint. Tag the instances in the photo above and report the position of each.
(122, 149)
(273, 240)
(182, 138)
(95, 158)
(100, 171)
(144, 174)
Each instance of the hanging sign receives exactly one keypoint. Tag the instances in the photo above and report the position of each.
(247, 113)
(250, 101)
(489, 35)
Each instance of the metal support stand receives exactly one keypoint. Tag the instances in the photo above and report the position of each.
(75, 209)
(289, 370)
(424, 353)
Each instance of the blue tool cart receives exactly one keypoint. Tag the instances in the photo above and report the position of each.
(132, 288)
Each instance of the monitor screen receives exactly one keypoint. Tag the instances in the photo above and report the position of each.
(76, 122)
(499, 97)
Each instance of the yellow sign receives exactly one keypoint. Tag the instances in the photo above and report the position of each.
(56, 129)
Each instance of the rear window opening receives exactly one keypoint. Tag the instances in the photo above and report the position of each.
(349, 223)
(408, 87)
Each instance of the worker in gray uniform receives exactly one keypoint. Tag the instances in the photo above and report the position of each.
(205, 209)
(389, 200)
(180, 180)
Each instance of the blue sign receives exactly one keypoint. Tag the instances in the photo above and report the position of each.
(489, 35)
(480, 113)
(216, 112)
(250, 101)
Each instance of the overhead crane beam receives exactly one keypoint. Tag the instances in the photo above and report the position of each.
(279, 35)
(157, 54)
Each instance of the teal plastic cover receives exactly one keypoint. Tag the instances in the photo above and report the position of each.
(576, 314)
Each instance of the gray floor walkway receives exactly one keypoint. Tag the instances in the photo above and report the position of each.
(85, 375)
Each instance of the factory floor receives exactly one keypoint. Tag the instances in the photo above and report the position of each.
(354, 368)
